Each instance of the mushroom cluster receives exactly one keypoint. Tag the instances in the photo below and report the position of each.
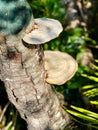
(59, 66)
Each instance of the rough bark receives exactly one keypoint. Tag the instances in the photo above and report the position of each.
(22, 71)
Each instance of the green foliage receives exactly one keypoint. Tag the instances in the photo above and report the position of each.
(84, 117)
(47, 8)
(91, 91)
(90, 95)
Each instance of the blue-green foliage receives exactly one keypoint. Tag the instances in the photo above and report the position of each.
(14, 15)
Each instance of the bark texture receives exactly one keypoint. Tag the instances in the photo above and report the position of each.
(22, 71)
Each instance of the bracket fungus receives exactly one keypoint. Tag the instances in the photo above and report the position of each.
(44, 30)
(60, 67)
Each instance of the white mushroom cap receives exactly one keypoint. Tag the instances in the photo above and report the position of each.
(45, 29)
(59, 66)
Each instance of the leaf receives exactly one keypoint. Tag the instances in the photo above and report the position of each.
(94, 102)
(91, 93)
(89, 87)
(84, 117)
(86, 112)
(90, 77)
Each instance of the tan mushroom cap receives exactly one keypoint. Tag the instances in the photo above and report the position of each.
(59, 66)
(45, 29)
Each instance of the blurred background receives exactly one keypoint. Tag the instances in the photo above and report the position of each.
(79, 39)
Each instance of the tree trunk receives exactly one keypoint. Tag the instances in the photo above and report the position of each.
(22, 71)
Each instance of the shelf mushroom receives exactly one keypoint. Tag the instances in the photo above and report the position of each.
(44, 30)
(60, 67)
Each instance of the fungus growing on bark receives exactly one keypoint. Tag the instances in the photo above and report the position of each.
(44, 30)
(60, 67)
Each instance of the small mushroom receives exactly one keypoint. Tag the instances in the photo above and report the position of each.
(44, 30)
(59, 66)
